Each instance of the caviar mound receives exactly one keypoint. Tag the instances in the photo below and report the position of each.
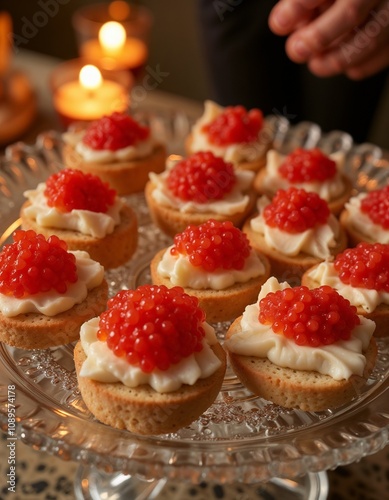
(113, 132)
(152, 326)
(376, 206)
(213, 245)
(365, 266)
(307, 166)
(201, 177)
(34, 264)
(314, 317)
(235, 125)
(296, 210)
(72, 189)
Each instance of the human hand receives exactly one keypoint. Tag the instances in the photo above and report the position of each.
(335, 36)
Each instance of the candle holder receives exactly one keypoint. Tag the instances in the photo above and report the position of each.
(75, 101)
(114, 52)
(18, 104)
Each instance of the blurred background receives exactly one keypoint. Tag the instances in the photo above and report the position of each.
(176, 46)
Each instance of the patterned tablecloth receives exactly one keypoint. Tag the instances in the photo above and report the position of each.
(40, 476)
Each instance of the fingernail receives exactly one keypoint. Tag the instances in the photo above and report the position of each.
(301, 49)
(281, 18)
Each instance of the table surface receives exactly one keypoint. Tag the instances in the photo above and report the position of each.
(41, 476)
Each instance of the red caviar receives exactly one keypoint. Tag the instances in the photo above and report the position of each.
(213, 245)
(201, 177)
(365, 266)
(32, 264)
(296, 210)
(304, 165)
(152, 326)
(235, 125)
(72, 189)
(114, 132)
(376, 206)
(309, 317)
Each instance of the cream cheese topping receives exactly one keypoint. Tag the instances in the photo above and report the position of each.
(95, 224)
(90, 275)
(139, 150)
(362, 222)
(325, 274)
(339, 360)
(328, 190)
(316, 241)
(102, 365)
(233, 202)
(181, 272)
(235, 153)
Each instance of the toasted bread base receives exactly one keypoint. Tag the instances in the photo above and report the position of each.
(304, 390)
(143, 410)
(126, 177)
(380, 315)
(172, 221)
(37, 331)
(336, 205)
(218, 305)
(285, 267)
(112, 251)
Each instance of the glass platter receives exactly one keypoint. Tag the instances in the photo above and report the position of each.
(240, 438)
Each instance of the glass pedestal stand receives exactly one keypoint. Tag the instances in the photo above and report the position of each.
(93, 484)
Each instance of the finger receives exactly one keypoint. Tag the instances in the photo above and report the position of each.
(371, 66)
(317, 36)
(287, 14)
(356, 51)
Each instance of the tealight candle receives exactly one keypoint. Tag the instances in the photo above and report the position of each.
(114, 35)
(114, 50)
(89, 95)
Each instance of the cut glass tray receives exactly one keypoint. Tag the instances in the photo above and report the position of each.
(240, 438)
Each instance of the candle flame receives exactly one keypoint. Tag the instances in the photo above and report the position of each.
(90, 77)
(112, 37)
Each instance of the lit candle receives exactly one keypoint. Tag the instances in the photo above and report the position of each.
(114, 49)
(90, 97)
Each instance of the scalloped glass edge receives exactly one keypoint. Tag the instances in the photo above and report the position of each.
(340, 441)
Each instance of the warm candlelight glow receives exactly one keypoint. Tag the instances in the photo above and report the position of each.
(5, 41)
(112, 37)
(90, 77)
(84, 92)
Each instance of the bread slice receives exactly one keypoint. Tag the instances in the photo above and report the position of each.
(172, 221)
(127, 177)
(336, 205)
(254, 165)
(285, 267)
(143, 410)
(304, 390)
(380, 315)
(218, 305)
(112, 251)
(37, 331)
